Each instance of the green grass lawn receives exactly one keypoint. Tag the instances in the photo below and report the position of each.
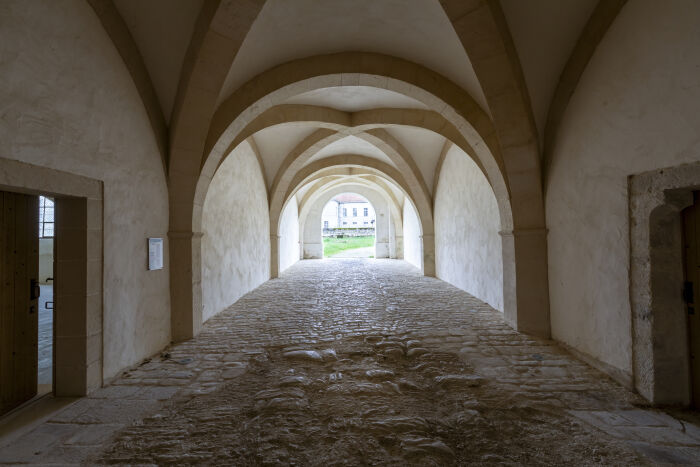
(332, 245)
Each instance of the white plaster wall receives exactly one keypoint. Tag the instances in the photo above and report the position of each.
(412, 246)
(45, 259)
(330, 214)
(467, 244)
(236, 227)
(635, 109)
(68, 103)
(289, 235)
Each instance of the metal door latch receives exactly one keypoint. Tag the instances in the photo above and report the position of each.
(34, 289)
(688, 292)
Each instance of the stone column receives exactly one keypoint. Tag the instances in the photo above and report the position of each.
(398, 240)
(392, 238)
(510, 300)
(274, 256)
(525, 280)
(185, 284)
(428, 246)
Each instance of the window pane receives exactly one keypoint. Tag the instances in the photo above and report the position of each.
(46, 217)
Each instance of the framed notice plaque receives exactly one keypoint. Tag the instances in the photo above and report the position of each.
(155, 254)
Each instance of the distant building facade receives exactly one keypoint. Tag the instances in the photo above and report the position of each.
(350, 211)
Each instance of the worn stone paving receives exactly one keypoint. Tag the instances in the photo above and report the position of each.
(366, 252)
(45, 338)
(360, 362)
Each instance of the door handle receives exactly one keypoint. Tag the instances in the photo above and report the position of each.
(34, 289)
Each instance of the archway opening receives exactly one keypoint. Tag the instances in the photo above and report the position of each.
(267, 101)
(348, 223)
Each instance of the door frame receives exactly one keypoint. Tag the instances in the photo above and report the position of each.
(78, 266)
(691, 290)
(660, 347)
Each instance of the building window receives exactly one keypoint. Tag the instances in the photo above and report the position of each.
(325, 224)
(345, 212)
(354, 223)
(46, 218)
(345, 223)
(366, 213)
(354, 212)
(366, 222)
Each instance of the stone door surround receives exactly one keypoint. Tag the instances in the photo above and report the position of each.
(659, 326)
(78, 267)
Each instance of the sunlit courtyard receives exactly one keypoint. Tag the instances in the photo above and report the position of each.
(348, 247)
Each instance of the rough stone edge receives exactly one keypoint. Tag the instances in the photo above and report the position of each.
(622, 377)
(647, 192)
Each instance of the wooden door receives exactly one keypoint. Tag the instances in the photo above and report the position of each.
(691, 291)
(19, 293)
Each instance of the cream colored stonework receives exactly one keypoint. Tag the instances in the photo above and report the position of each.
(69, 104)
(516, 149)
(234, 260)
(467, 244)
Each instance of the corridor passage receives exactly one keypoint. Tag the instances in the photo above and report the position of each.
(358, 362)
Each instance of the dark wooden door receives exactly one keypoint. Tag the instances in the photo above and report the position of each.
(691, 291)
(19, 293)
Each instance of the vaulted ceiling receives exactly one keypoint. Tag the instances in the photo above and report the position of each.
(544, 34)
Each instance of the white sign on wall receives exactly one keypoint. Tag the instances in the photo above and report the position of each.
(155, 253)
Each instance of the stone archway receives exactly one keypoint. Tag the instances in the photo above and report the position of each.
(273, 87)
(350, 164)
(373, 182)
(371, 126)
(523, 230)
(310, 220)
(219, 33)
(411, 182)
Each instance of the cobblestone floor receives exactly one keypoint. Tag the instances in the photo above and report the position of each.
(360, 362)
(367, 252)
